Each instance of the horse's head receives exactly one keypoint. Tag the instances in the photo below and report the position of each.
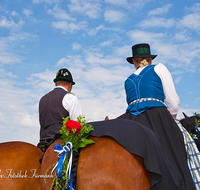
(189, 124)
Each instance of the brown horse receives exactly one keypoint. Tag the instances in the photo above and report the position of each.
(19, 166)
(105, 165)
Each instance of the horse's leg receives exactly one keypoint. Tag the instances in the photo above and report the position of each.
(106, 165)
(19, 165)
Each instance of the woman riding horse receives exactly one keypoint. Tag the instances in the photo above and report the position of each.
(153, 101)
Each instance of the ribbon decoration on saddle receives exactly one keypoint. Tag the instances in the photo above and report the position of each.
(145, 99)
(62, 151)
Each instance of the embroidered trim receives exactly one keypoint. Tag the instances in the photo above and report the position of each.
(145, 99)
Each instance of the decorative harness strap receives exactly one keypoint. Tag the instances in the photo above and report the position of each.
(145, 99)
(62, 151)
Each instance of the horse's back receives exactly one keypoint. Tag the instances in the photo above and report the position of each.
(107, 165)
(19, 165)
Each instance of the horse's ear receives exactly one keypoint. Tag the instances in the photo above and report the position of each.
(106, 118)
(184, 115)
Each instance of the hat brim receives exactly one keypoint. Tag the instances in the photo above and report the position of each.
(130, 59)
(60, 79)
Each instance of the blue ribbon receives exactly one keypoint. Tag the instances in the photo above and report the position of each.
(63, 151)
(70, 184)
(61, 160)
(195, 136)
(197, 128)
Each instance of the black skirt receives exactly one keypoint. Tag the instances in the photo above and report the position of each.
(160, 121)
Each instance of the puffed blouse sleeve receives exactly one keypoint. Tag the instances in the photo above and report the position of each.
(171, 97)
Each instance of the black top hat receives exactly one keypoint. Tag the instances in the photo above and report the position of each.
(140, 51)
(64, 75)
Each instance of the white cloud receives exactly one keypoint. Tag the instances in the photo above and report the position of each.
(182, 36)
(63, 61)
(124, 51)
(106, 103)
(21, 37)
(160, 10)
(3, 45)
(98, 58)
(113, 16)
(101, 91)
(194, 8)
(14, 13)
(27, 12)
(168, 51)
(191, 21)
(177, 55)
(106, 43)
(137, 5)
(69, 27)
(42, 82)
(91, 8)
(70, 61)
(63, 25)
(142, 36)
(8, 74)
(27, 119)
(46, 1)
(101, 77)
(177, 80)
(94, 31)
(76, 46)
(58, 13)
(8, 58)
(11, 44)
(117, 2)
(157, 22)
(10, 24)
(20, 110)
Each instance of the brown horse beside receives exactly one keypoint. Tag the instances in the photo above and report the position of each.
(105, 165)
(19, 166)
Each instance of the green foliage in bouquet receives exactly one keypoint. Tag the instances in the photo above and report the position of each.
(76, 132)
(197, 123)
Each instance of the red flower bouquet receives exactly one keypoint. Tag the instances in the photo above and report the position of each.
(73, 126)
(76, 132)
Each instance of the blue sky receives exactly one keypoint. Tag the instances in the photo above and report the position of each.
(92, 38)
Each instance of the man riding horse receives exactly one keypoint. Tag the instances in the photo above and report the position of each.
(55, 105)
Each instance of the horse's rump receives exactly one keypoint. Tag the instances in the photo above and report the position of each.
(19, 165)
(107, 165)
(103, 165)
